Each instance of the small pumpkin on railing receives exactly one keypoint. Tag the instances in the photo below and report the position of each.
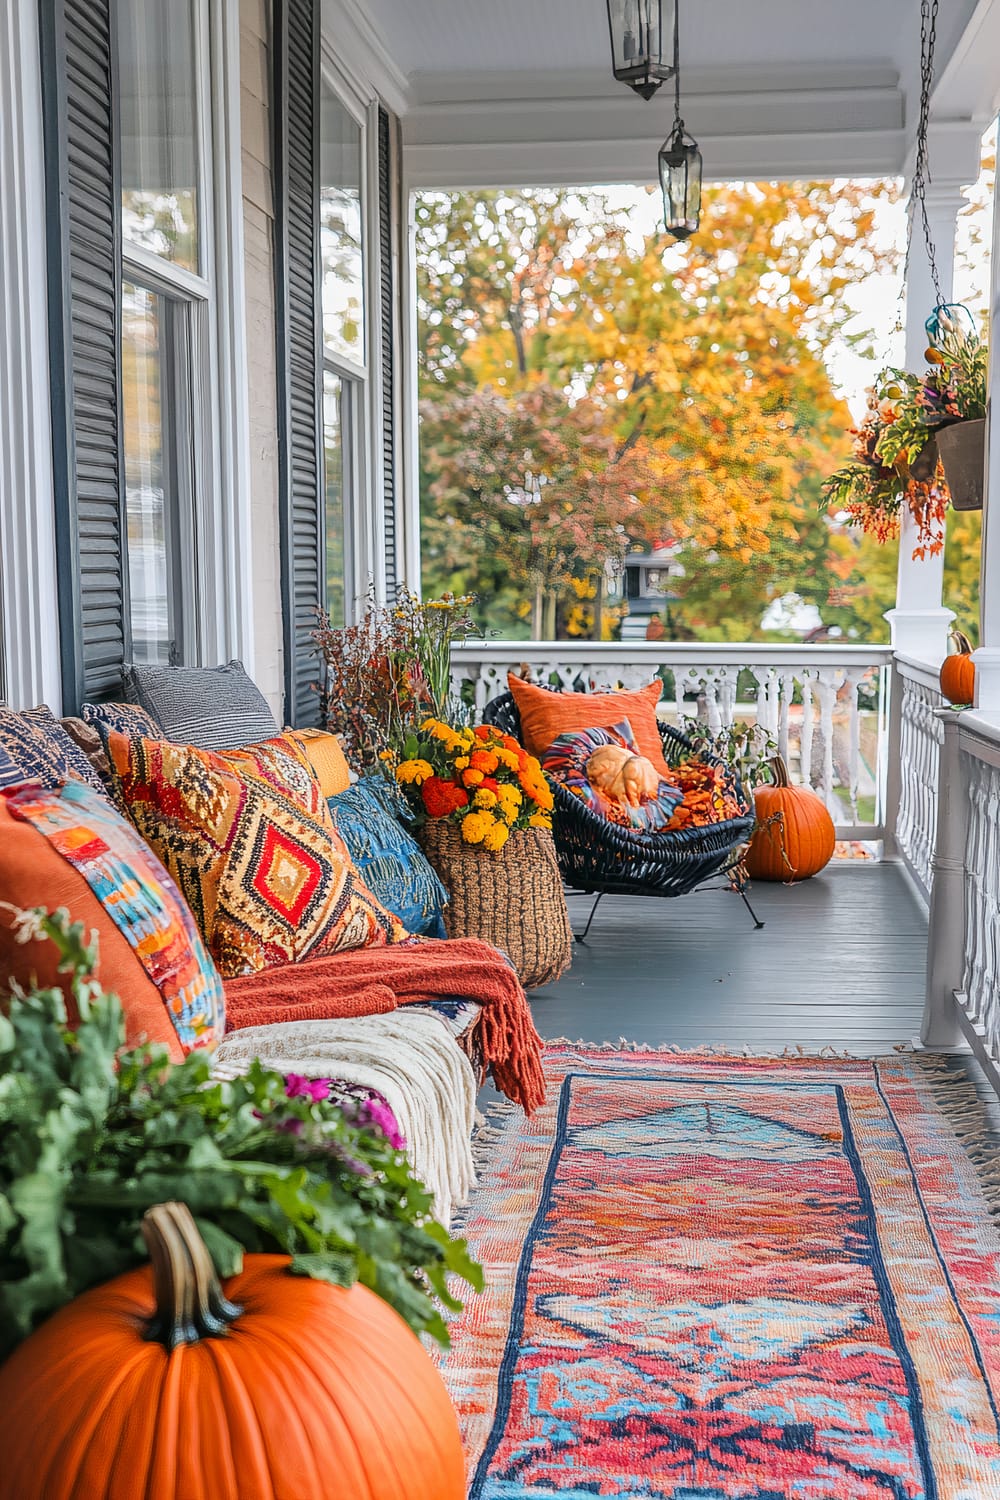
(135, 1389)
(958, 671)
(794, 837)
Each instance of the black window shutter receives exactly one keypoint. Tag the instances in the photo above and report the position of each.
(83, 204)
(295, 114)
(387, 229)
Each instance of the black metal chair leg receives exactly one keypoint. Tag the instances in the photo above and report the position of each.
(758, 924)
(581, 937)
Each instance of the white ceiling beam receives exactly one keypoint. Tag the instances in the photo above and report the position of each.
(742, 157)
(969, 84)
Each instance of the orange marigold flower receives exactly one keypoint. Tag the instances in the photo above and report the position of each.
(482, 731)
(484, 760)
(472, 777)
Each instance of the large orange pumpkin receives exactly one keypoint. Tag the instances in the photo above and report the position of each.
(958, 671)
(794, 837)
(314, 1392)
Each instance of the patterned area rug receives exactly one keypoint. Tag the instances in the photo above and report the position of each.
(720, 1278)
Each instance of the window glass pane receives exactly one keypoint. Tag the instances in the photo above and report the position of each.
(150, 499)
(158, 67)
(340, 221)
(335, 499)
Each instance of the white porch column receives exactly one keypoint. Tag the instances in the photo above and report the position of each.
(29, 627)
(987, 658)
(919, 623)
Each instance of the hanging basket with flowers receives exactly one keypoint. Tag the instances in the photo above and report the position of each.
(483, 814)
(922, 442)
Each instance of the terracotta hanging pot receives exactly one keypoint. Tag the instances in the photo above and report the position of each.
(962, 450)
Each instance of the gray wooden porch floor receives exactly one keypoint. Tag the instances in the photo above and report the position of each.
(839, 962)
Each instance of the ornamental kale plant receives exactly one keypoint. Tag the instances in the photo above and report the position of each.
(91, 1136)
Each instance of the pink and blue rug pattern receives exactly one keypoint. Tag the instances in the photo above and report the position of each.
(716, 1278)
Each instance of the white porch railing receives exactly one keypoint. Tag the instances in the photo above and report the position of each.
(826, 706)
(963, 972)
(914, 772)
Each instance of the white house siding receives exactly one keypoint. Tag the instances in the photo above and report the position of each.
(258, 229)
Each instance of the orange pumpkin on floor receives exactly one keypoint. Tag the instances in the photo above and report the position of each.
(795, 837)
(314, 1391)
(958, 671)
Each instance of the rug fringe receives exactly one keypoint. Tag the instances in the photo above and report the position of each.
(672, 1049)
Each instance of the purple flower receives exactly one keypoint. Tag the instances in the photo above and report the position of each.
(375, 1113)
(297, 1086)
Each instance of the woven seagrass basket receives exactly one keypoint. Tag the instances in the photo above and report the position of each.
(512, 899)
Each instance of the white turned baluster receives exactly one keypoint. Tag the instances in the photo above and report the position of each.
(854, 680)
(806, 740)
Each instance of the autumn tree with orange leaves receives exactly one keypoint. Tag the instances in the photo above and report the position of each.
(662, 392)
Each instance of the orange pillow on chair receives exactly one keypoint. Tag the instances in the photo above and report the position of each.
(545, 716)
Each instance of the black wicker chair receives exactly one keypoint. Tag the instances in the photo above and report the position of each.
(603, 859)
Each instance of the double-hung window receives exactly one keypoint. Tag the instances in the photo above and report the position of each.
(342, 209)
(166, 202)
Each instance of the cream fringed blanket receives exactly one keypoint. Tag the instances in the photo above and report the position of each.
(413, 1061)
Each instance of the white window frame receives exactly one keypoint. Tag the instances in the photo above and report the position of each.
(217, 612)
(364, 551)
(366, 564)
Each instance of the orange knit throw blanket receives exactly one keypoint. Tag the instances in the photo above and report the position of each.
(371, 981)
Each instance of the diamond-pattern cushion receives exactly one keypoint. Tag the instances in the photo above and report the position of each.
(247, 836)
(36, 743)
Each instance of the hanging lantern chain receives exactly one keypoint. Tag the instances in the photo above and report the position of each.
(678, 122)
(921, 172)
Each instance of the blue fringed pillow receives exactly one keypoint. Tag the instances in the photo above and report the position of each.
(38, 746)
(390, 862)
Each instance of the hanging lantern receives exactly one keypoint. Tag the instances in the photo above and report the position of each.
(679, 162)
(680, 179)
(642, 42)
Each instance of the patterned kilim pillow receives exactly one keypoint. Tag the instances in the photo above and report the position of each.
(40, 748)
(68, 847)
(127, 718)
(566, 762)
(10, 774)
(247, 836)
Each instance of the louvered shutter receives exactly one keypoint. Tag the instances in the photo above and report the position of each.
(83, 198)
(387, 229)
(295, 101)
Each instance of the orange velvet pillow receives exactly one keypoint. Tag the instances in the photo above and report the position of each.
(545, 716)
(327, 758)
(32, 874)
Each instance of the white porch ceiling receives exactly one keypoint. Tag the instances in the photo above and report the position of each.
(505, 92)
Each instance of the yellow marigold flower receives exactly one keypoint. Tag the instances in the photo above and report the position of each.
(494, 838)
(475, 826)
(507, 758)
(485, 798)
(511, 794)
(428, 726)
(387, 755)
(540, 820)
(416, 771)
(461, 762)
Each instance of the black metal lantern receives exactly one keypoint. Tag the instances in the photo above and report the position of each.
(642, 42)
(680, 179)
(679, 162)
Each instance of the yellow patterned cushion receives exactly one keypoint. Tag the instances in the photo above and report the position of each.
(247, 836)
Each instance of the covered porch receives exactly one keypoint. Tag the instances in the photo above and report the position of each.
(210, 440)
(384, 100)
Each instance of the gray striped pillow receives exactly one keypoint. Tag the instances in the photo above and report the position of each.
(214, 708)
